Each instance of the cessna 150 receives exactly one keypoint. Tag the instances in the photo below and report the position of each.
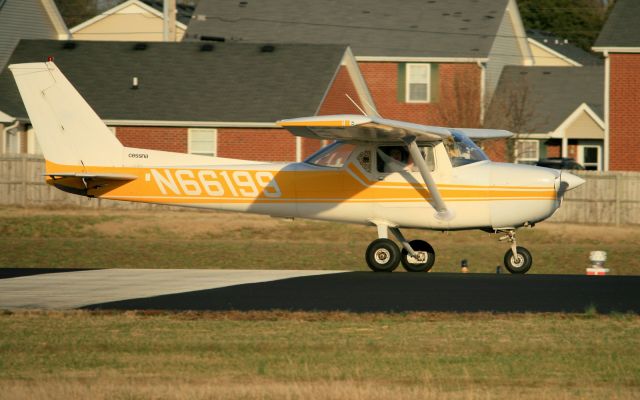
(379, 172)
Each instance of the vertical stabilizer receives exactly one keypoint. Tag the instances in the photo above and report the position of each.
(67, 128)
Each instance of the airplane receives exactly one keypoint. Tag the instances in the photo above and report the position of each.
(378, 172)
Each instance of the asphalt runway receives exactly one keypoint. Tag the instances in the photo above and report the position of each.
(214, 290)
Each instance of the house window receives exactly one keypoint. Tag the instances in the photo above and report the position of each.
(590, 157)
(417, 89)
(527, 151)
(203, 142)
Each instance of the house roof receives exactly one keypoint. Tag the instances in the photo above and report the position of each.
(553, 93)
(373, 28)
(142, 5)
(564, 47)
(621, 28)
(28, 19)
(183, 81)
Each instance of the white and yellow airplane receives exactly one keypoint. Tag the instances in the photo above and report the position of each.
(377, 172)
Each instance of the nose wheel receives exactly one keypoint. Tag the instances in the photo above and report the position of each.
(517, 259)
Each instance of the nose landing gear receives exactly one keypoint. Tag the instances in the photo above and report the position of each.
(517, 259)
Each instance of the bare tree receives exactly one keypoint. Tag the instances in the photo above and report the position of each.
(460, 100)
(512, 108)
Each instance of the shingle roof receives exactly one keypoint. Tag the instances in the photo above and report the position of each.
(22, 19)
(553, 93)
(180, 82)
(622, 28)
(410, 28)
(565, 48)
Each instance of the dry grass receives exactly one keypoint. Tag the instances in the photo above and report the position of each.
(189, 239)
(278, 355)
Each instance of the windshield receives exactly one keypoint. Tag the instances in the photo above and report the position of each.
(334, 155)
(462, 150)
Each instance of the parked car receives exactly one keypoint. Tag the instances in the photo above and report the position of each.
(559, 163)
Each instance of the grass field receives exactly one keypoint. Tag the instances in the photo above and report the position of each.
(188, 239)
(283, 355)
(273, 355)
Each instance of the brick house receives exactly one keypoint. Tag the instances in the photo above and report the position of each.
(619, 42)
(555, 111)
(429, 62)
(205, 98)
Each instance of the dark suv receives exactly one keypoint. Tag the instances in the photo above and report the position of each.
(559, 163)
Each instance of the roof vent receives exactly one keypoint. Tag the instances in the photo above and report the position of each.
(207, 47)
(140, 46)
(243, 4)
(69, 45)
(267, 48)
(212, 38)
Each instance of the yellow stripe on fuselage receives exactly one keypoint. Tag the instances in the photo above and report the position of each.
(217, 185)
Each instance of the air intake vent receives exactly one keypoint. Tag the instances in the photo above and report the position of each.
(212, 38)
(69, 45)
(268, 48)
(140, 46)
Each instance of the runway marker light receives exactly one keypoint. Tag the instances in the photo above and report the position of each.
(597, 259)
(464, 266)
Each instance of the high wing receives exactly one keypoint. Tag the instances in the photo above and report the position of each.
(376, 129)
(361, 128)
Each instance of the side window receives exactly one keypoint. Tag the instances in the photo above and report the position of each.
(334, 155)
(397, 159)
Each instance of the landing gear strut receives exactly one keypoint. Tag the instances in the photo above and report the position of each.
(517, 259)
(383, 255)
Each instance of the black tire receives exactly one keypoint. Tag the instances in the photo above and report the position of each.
(418, 245)
(520, 266)
(382, 255)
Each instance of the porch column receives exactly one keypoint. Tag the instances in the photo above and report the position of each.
(565, 146)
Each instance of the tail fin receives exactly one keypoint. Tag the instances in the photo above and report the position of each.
(67, 128)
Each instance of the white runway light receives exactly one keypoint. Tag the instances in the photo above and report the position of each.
(597, 259)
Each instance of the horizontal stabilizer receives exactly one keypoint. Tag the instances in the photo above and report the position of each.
(84, 175)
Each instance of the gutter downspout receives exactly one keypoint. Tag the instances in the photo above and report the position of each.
(607, 70)
(483, 88)
(5, 131)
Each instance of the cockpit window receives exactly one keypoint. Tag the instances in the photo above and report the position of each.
(462, 150)
(334, 155)
(397, 159)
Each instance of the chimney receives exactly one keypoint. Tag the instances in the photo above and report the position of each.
(169, 31)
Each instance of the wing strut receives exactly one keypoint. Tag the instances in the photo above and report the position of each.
(442, 212)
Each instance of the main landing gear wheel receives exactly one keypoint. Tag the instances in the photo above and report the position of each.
(383, 255)
(412, 264)
(519, 264)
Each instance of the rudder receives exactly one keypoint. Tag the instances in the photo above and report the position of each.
(68, 130)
